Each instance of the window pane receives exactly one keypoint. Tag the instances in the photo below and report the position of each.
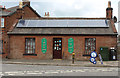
(90, 44)
(2, 22)
(30, 45)
(2, 19)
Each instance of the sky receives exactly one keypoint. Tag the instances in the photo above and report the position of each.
(69, 8)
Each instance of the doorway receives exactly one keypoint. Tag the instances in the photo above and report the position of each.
(57, 48)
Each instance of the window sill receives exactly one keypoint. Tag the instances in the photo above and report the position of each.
(30, 54)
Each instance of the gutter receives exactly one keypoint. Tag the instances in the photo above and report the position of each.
(11, 33)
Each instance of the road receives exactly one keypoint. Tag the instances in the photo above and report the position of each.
(38, 70)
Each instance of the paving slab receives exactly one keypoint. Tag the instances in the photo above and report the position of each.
(60, 62)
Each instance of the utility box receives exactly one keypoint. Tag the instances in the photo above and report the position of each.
(113, 54)
(104, 53)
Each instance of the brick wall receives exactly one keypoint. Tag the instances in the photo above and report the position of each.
(9, 22)
(28, 13)
(17, 46)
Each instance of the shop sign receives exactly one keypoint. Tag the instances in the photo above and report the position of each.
(70, 45)
(44, 45)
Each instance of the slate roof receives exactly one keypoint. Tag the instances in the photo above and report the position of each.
(63, 23)
(12, 10)
(8, 11)
(65, 30)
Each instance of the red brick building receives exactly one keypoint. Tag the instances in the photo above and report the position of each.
(58, 38)
(8, 18)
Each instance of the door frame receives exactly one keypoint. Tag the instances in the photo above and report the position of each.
(53, 46)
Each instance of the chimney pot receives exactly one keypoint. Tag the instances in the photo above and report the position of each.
(45, 14)
(20, 4)
(48, 14)
(109, 4)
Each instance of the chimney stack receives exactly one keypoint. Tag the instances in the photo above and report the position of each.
(20, 11)
(47, 14)
(26, 2)
(109, 11)
(3, 8)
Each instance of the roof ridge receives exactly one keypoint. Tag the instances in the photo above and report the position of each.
(16, 7)
(62, 18)
(12, 7)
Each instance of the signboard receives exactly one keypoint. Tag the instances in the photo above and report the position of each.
(70, 45)
(44, 45)
(93, 54)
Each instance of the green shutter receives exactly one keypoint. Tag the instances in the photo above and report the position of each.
(44, 45)
(70, 45)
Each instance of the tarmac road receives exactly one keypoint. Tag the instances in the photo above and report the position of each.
(39, 70)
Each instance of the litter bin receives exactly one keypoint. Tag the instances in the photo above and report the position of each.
(113, 54)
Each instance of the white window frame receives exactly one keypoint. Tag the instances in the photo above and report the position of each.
(92, 45)
(29, 45)
(2, 22)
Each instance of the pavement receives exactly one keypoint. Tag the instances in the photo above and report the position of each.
(60, 62)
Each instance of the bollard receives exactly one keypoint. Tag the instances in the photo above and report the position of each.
(73, 57)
